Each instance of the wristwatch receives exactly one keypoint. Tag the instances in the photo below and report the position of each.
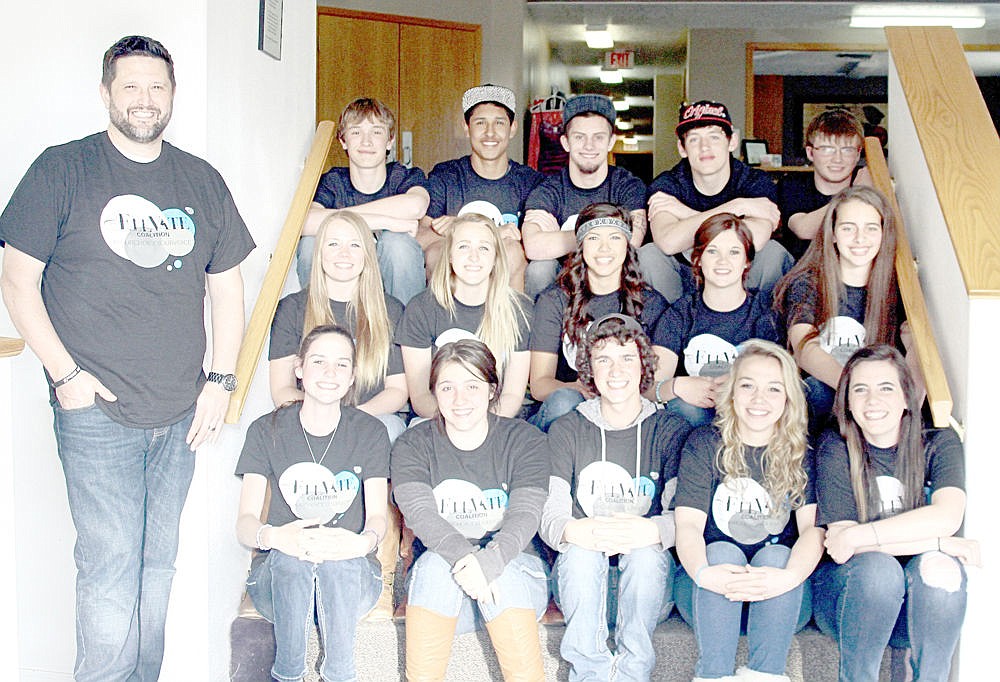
(227, 381)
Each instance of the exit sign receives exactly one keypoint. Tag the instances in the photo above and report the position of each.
(619, 59)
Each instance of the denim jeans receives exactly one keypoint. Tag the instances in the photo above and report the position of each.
(695, 416)
(285, 589)
(872, 601)
(522, 585)
(539, 275)
(717, 622)
(644, 598)
(819, 398)
(673, 278)
(561, 401)
(126, 489)
(400, 260)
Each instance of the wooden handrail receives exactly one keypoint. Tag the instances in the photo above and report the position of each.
(277, 270)
(9, 347)
(958, 142)
(928, 355)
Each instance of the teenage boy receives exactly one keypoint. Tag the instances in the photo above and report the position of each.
(833, 146)
(390, 197)
(552, 207)
(708, 180)
(485, 181)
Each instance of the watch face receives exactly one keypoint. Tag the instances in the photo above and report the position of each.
(229, 382)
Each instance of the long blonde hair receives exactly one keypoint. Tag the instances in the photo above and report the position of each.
(500, 328)
(372, 330)
(784, 475)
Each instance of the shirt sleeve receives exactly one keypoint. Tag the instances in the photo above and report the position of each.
(437, 183)
(37, 209)
(327, 191)
(945, 460)
(800, 302)
(672, 330)
(834, 494)
(546, 329)
(286, 328)
(695, 472)
(545, 197)
(414, 328)
(630, 192)
(234, 242)
(253, 459)
(395, 310)
(664, 182)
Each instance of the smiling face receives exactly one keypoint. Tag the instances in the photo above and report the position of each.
(490, 131)
(588, 139)
(617, 371)
(834, 158)
(758, 398)
(707, 148)
(343, 254)
(604, 250)
(140, 99)
(327, 369)
(724, 261)
(463, 398)
(857, 235)
(876, 401)
(366, 142)
(473, 253)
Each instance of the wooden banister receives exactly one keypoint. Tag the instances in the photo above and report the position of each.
(277, 271)
(928, 356)
(10, 347)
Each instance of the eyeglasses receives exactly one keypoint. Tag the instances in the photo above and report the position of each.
(828, 151)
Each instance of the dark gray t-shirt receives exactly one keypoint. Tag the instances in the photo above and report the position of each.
(945, 468)
(336, 191)
(455, 184)
(331, 487)
(471, 487)
(559, 196)
(426, 324)
(603, 487)
(840, 336)
(126, 247)
(740, 512)
(286, 331)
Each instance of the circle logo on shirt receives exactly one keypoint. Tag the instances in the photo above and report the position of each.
(605, 488)
(841, 337)
(742, 510)
(312, 491)
(483, 208)
(569, 348)
(140, 232)
(569, 225)
(471, 511)
(707, 355)
(890, 493)
(454, 334)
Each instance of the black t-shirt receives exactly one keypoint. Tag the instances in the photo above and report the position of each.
(455, 184)
(426, 323)
(840, 336)
(797, 193)
(336, 191)
(559, 196)
(945, 468)
(547, 334)
(614, 484)
(740, 512)
(472, 487)
(705, 340)
(286, 331)
(330, 487)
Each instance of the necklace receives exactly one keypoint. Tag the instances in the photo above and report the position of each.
(328, 444)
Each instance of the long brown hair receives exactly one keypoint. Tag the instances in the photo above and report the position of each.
(821, 265)
(574, 282)
(910, 457)
(476, 357)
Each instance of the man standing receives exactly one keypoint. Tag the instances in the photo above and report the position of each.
(485, 181)
(552, 207)
(389, 196)
(110, 243)
(833, 145)
(708, 180)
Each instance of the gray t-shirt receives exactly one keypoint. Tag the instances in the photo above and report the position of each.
(286, 331)
(426, 323)
(331, 487)
(126, 246)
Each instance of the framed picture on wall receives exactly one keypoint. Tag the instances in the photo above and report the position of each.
(754, 151)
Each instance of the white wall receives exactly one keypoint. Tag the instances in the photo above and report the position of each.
(253, 118)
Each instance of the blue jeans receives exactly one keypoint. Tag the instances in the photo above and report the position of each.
(285, 589)
(871, 601)
(644, 599)
(126, 489)
(717, 622)
(400, 260)
(561, 401)
(539, 275)
(673, 279)
(819, 398)
(695, 416)
(523, 584)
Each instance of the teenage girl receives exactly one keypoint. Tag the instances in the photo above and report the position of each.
(745, 513)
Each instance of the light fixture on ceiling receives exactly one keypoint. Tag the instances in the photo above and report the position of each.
(924, 15)
(624, 125)
(611, 76)
(631, 141)
(620, 104)
(598, 37)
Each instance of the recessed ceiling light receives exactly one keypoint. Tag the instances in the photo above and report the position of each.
(611, 76)
(620, 105)
(926, 15)
(624, 125)
(598, 37)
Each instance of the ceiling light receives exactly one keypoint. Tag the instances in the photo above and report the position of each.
(624, 125)
(598, 37)
(611, 76)
(620, 105)
(880, 17)
(631, 141)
